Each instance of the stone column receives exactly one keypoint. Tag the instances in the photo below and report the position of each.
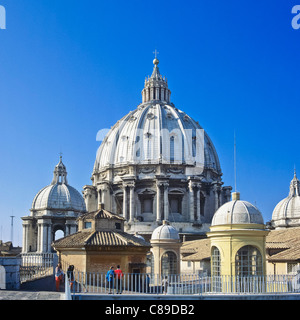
(152, 93)
(41, 239)
(105, 198)
(38, 245)
(49, 237)
(158, 202)
(216, 189)
(198, 202)
(99, 197)
(166, 201)
(25, 238)
(167, 95)
(132, 203)
(162, 94)
(67, 229)
(45, 237)
(157, 94)
(192, 205)
(125, 205)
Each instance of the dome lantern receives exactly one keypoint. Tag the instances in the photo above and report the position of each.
(294, 186)
(60, 173)
(156, 86)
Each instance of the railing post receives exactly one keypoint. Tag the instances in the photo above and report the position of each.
(67, 289)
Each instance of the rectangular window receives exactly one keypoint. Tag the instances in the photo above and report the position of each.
(175, 206)
(88, 225)
(291, 267)
(147, 205)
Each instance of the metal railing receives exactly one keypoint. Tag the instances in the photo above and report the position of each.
(81, 282)
(37, 265)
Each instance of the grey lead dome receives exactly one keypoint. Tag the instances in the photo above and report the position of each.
(59, 195)
(237, 212)
(165, 232)
(156, 132)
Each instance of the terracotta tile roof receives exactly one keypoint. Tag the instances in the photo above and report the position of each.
(288, 240)
(284, 235)
(292, 254)
(100, 238)
(198, 249)
(277, 245)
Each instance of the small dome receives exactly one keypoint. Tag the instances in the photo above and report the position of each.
(287, 211)
(165, 232)
(59, 195)
(237, 212)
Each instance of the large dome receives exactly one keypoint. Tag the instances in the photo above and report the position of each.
(157, 132)
(237, 212)
(155, 164)
(287, 211)
(59, 195)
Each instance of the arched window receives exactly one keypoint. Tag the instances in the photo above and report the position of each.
(169, 263)
(215, 262)
(59, 234)
(248, 262)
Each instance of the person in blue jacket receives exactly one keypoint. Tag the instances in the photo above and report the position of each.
(110, 279)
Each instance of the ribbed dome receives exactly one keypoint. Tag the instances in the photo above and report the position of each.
(59, 195)
(157, 132)
(237, 212)
(165, 232)
(287, 211)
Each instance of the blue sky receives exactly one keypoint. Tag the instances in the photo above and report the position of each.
(71, 68)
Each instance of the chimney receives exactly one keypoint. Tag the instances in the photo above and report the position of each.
(101, 206)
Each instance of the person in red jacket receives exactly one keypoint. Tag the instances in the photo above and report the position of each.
(119, 276)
